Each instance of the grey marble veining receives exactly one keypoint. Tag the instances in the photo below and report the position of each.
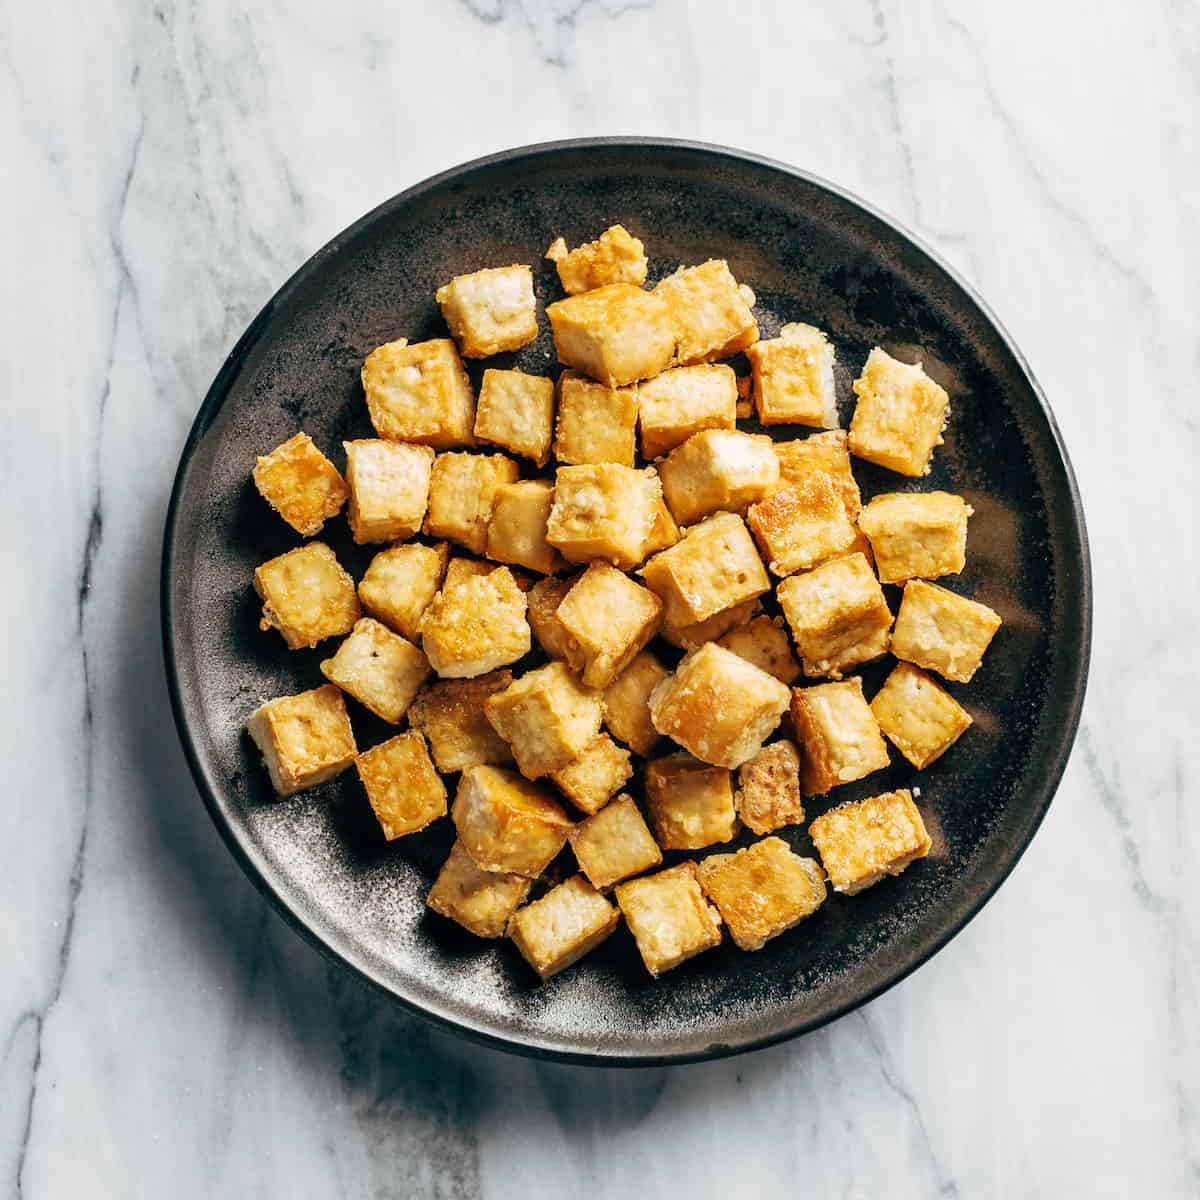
(166, 167)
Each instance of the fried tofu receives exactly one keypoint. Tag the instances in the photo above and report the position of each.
(861, 842)
(420, 393)
(405, 792)
(300, 484)
(664, 533)
(569, 921)
(450, 714)
(462, 493)
(307, 595)
(304, 739)
(516, 411)
(379, 668)
(822, 454)
(400, 582)
(711, 314)
(690, 803)
(684, 401)
(614, 844)
(942, 631)
(838, 735)
(918, 716)
(768, 792)
(389, 488)
(595, 423)
(917, 535)
(627, 703)
(544, 598)
(603, 511)
(718, 469)
(712, 629)
(793, 378)
(616, 256)
(764, 642)
(899, 417)
(517, 530)
(476, 626)
(800, 525)
(669, 918)
(480, 901)
(490, 311)
(598, 774)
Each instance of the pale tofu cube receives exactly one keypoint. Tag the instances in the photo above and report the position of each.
(863, 841)
(544, 598)
(942, 631)
(793, 378)
(627, 703)
(569, 921)
(711, 314)
(822, 454)
(516, 411)
(837, 614)
(918, 716)
(718, 469)
(595, 423)
(669, 918)
(685, 401)
(690, 803)
(617, 334)
(389, 488)
(517, 530)
(764, 642)
(713, 629)
(304, 740)
(307, 595)
(379, 668)
(615, 844)
(490, 311)
(596, 776)
(762, 891)
(480, 901)
(405, 792)
(800, 525)
(603, 511)
(450, 715)
(616, 256)
(838, 734)
(768, 794)
(506, 823)
(399, 584)
(664, 533)
(420, 393)
(899, 417)
(462, 492)
(300, 484)
(477, 626)
(917, 535)
(548, 718)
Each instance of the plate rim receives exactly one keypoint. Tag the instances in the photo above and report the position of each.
(479, 1032)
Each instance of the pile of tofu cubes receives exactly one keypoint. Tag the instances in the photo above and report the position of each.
(583, 654)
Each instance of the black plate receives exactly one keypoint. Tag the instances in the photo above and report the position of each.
(811, 253)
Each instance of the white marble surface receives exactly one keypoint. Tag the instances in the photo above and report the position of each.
(165, 166)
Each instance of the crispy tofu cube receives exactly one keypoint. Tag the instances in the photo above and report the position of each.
(490, 311)
(793, 378)
(596, 423)
(764, 642)
(800, 525)
(480, 901)
(304, 739)
(627, 703)
(718, 469)
(598, 774)
(615, 844)
(405, 792)
(718, 706)
(899, 417)
(768, 795)
(400, 582)
(547, 717)
(476, 626)
(306, 595)
(762, 891)
(685, 401)
(692, 637)
(300, 484)
(711, 313)
(516, 411)
(669, 918)
(918, 716)
(420, 393)
(506, 823)
(517, 531)
(462, 493)
(389, 488)
(664, 533)
(616, 256)
(713, 568)
(917, 535)
(838, 733)
(544, 598)
(617, 334)
(569, 921)
(942, 631)
(460, 569)
(610, 619)
(379, 668)
(861, 842)
(823, 454)
(690, 803)
(837, 614)
(450, 715)
(603, 511)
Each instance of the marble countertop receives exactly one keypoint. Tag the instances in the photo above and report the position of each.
(167, 166)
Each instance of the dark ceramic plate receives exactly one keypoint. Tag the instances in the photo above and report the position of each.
(811, 253)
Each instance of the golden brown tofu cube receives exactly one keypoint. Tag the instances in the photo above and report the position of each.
(460, 569)
(861, 842)
(462, 492)
(603, 511)
(480, 901)
(663, 533)
(516, 411)
(399, 584)
(379, 668)
(450, 715)
(690, 803)
(682, 402)
(793, 378)
(899, 417)
(306, 595)
(569, 921)
(300, 484)
(420, 393)
(389, 488)
(517, 531)
(762, 891)
(668, 916)
(476, 626)
(711, 313)
(822, 454)
(490, 311)
(918, 716)
(692, 637)
(548, 718)
(838, 733)
(617, 334)
(596, 423)
(405, 792)
(304, 739)
(764, 642)
(592, 779)
(800, 525)
(718, 469)
(615, 844)
(616, 256)
(917, 535)
(627, 703)
(768, 795)
(941, 631)
(837, 614)
(544, 598)
(506, 823)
